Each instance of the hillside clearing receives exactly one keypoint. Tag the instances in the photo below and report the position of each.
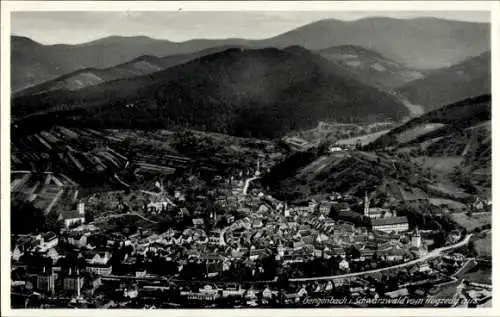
(364, 139)
(447, 202)
(473, 221)
(483, 246)
(439, 164)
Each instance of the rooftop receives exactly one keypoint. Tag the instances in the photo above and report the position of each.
(389, 221)
(71, 214)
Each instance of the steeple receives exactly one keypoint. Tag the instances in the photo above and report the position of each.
(78, 286)
(367, 206)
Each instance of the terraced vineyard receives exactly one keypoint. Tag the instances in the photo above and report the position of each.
(46, 191)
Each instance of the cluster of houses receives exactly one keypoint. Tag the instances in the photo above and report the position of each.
(293, 234)
(264, 228)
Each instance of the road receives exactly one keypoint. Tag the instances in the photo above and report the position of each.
(247, 184)
(120, 181)
(129, 214)
(433, 254)
(223, 232)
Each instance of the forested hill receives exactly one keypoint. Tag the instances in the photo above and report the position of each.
(447, 85)
(422, 43)
(143, 65)
(261, 93)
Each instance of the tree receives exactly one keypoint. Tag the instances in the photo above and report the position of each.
(283, 279)
(358, 144)
(270, 266)
(89, 216)
(353, 252)
(20, 212)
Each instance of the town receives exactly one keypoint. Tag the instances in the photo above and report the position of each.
(172, 158)
(164, 248)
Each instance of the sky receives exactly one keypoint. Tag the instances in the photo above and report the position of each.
(73, 27)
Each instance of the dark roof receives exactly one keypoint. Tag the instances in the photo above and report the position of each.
(393, 251)
(389, 221)
(308, 240)
(198, 221)
(49, 236)
(338, 250)
(298, 244)
(258, 252)
(108, 265)
(71, 214)
(212, 256)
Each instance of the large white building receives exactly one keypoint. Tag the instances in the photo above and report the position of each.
(100, 263)
(74, 216)
(383, 219)
(393, 224)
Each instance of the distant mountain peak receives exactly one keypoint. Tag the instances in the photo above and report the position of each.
(117, 39)
(296, 49)
(416, 43)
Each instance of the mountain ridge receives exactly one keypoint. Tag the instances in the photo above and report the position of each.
(370, 66)
(445, 42)
(116, 72)
(447, 85)
(256, 92)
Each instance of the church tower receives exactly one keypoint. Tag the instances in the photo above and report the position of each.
(78, 286)
(416, 239)
(367, 206)
(286, 211)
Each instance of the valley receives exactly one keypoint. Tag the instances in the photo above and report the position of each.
(339, 159)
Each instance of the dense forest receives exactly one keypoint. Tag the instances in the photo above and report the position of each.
(260, 93)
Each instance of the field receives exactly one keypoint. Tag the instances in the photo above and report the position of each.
(483, 246)
(344, 133)
(452, 204)
(364, 139)
(316, 167)
(439, 164)
(44, 190)
(480, 275)
(473, 221)
(447, 189)
(413, 133)
(448, 290)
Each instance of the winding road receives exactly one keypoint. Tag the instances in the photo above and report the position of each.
(247, 184)
(433, 254)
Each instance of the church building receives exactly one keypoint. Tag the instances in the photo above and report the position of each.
(383, 219)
